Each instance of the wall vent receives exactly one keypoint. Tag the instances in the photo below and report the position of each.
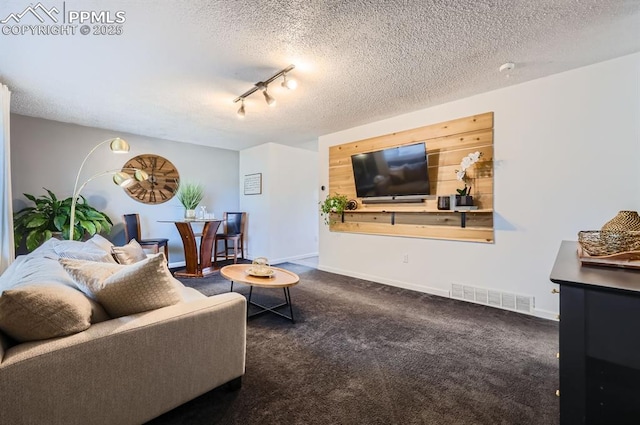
(490, 297)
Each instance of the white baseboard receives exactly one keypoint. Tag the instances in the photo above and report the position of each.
(177, 264)
(543, 314)
(293, 258)
(390, 282)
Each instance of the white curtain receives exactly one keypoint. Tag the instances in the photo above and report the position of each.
(7, 248)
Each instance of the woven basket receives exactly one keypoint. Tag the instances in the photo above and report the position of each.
(608, 242)
(623, 221)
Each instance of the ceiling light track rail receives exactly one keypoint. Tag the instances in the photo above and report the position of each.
(263, 85)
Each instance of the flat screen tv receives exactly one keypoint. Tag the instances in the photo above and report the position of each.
(399, 171)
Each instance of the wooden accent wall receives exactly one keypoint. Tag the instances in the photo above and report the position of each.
(446, 144)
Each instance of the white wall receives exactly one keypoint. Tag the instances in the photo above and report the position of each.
(48, 154)
(282, 221)
(567, 151)
(258, 207)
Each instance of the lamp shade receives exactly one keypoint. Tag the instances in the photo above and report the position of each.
(119, 145)
(141, 175)
(122, 179)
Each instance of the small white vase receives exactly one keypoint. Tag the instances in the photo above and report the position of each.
(190, 214)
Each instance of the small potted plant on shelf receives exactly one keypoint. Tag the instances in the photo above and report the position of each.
(190, 194)
(50, 217)
(464, 198)
(334, 204)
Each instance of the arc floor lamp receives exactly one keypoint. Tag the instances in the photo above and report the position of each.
(120, 177)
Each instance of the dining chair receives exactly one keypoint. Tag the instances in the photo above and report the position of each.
(233, 231)
(132, 231)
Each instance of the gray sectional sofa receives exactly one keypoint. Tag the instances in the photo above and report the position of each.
(119, 370)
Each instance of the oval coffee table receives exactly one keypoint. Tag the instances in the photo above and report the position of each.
(280, 278)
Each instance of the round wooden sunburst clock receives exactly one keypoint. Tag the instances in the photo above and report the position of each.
(162, 183)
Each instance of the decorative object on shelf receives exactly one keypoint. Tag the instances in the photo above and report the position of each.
(162, 183)
(444, 202)
(287, 83)
(190, 194)
(120, 177)
(352, 204)
(333, 204)
(452, 202)
(464, 200)
(461, 175)
(624, 220)
(51, 217)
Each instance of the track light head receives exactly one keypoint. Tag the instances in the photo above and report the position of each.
(270, 100)
(241, 111)
(289, 83)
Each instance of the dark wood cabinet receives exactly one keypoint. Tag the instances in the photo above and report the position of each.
(599, 341)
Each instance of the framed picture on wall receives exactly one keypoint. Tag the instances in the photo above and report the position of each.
(253, 184)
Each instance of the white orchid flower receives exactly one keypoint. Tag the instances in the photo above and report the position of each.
(466, 162)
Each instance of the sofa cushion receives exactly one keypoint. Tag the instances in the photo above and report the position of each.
(127, 289)
(129, 253)
(39, 267)
(35, 312)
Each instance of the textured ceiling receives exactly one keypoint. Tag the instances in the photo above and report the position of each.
(177, 67)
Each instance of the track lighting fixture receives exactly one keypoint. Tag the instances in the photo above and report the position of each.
(263, 86)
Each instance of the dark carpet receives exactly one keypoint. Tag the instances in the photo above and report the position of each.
(367, 353)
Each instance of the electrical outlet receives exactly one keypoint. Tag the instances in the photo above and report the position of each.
(405, 258)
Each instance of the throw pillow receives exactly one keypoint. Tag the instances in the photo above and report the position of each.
(101, 242)
(130, 253)
(87, 275)
(81, 251)
(127, 289)
(31, 313)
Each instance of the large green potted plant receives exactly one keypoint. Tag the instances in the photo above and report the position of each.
(190, 195)
(51, 216)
